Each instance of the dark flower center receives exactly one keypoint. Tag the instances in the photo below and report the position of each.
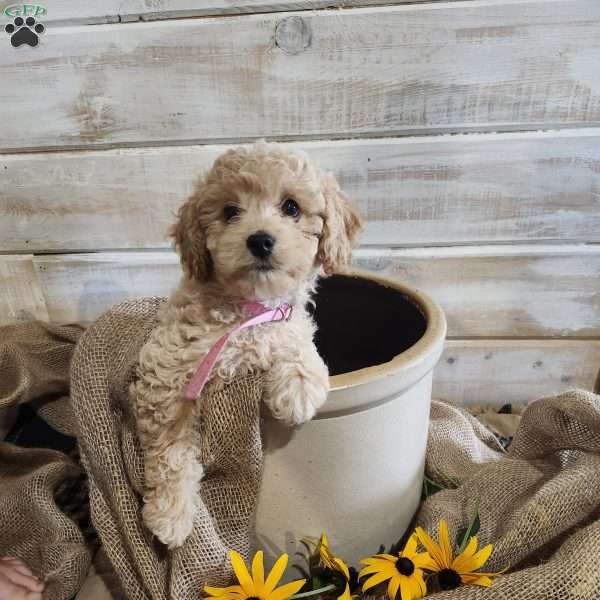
(405, 566)
(448, 579)
(253, 598)
(354, 583)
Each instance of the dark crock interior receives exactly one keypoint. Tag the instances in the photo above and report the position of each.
(362, 323)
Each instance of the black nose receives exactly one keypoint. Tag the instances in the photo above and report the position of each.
(260, 244)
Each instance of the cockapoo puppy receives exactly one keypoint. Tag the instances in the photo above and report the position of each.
(261, 226)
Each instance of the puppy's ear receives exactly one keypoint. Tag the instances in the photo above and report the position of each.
(190, 239)
(341, 227)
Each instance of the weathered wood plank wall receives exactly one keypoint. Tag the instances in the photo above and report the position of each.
(367, 71)
(501, 291)
(92, 12)
(442, 190)
(106, 124)
(21, 295)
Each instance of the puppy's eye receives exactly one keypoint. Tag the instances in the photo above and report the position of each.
(230, 212)
(290, 208)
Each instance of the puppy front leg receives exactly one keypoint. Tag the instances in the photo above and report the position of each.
(172, 471)
(297, 385)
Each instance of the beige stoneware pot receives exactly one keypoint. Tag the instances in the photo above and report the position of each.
(355, 471)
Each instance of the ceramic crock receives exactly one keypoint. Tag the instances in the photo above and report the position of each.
(355, 471)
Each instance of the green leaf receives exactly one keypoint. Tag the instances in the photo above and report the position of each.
(465, 534)
(451, 484)
(317, 592)
(317, 583)
(430, 487)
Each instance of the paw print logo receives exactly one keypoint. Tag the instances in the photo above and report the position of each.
(24, 31)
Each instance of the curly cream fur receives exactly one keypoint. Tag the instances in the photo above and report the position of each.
(219, 271)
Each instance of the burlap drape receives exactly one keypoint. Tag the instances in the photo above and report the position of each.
(539, 503)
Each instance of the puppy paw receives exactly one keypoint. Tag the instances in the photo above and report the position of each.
(169, 518)
(295, 392)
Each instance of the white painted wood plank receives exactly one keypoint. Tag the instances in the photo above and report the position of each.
(81, 287)
(490, 292)
(412, 191)
(92, 12)
(503, 291)
(21, 297)
(508, 64)
(518, 371)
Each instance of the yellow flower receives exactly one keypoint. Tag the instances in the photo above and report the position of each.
(255, 587)
(404, 571)
(327, 558)
(454, 571)
(329, 561)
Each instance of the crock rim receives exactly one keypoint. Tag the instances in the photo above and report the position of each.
(428, 344)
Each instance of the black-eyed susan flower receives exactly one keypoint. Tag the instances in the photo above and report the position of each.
(255, 587)
(403, 572)
(333, 563)
(451, 571)
(325, 555)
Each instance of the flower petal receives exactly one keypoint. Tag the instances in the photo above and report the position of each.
(346, 595)
(388, 557)
(411, 546)
(258, 573)
(405, 589)
(482, 556)
(241, 572)
(462, 560)
(378, 557)
(477, 579)
(471, 547)
(422, 560)
(342, 568)
(444, 540)
(412, 586)
(215, 591)
(434, 549)
(368, 561)
(376, 579)
(325, 553)
(474, 562)
(233, 596)
(287, 590)
(393, 586)
(276, 574)
(386, 567)
(478, 574)
(418, 577)
(234, 592)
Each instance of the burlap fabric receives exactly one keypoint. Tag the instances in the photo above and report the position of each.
(34, 367)
(539, 503)
(102, 370)
(34, 360)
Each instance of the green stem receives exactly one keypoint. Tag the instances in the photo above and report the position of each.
(322, 590)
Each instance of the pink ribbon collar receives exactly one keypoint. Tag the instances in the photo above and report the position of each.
(260, 314)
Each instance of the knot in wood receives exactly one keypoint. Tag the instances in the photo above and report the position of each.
(293, 35)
